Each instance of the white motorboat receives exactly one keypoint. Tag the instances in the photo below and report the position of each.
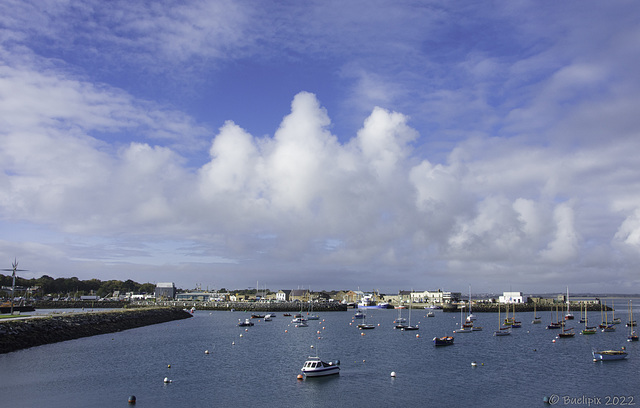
(246, 322)
(314, 367)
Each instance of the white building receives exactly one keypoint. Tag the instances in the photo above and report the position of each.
(436, 297)
(512, 297)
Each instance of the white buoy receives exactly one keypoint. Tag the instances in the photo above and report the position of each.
(233, 343)
(474, 364)
(393, 374)
(206, 352)
(167, 380)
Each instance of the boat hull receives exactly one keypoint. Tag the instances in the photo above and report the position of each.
(443, 341)
(321, 372)
(608, 355)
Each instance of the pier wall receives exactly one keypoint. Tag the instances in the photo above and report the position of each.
(252, 306)
(17, 334)
(199, 305)
(525, 307)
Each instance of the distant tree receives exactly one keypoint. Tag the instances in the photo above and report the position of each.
(147, 288)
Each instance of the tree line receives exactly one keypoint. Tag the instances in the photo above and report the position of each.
(46, 285)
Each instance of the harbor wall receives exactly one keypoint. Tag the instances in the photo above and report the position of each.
(199, 305)
(17, 334)
(253, 306)
(79, 304)
(525, 307)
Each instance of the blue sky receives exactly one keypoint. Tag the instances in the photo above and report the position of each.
(332, 145)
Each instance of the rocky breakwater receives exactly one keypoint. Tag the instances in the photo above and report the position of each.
(16, 334)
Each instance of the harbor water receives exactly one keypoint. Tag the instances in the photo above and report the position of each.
(259, 365)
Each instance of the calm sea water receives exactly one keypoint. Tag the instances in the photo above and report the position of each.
(260, 369)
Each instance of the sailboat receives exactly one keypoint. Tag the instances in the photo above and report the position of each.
(514, 323)
(409, 326)
(310, 315)
(569, 315)
(464, 328)
(587, 329)
(400, 321)
(614, 319)
(566, 332)
(602, 318)
(470, 317)
(536, 319)
(502, 331)
(582, 319)
(556, 324)
(508, 321)
(364, 325)
(633, 336)
(607, 327)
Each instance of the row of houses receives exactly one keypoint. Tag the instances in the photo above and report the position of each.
(167, 290)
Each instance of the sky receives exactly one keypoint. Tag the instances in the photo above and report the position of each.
(323, 144)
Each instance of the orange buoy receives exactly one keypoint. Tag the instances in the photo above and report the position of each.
(300, 377)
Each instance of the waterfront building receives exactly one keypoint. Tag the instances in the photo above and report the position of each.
(283, 295)
(346, 296)
(195, 296)
(165, 290)
(436, 297)
(404, 296)
(512, 297)
(301, 295)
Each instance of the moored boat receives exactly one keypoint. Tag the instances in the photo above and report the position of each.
(314, 367)
(569, 315)
(567, 333)
(607, 355)
(633, 336)
(587, 329)
(502, 331)
(443, 341)
(247, 322)
(536, 318)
